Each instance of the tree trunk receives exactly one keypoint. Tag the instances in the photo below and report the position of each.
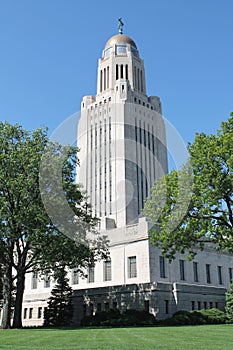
(17, 321)
(7, 297)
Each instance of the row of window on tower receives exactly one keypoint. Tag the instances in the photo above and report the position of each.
(122, 72)
(148, 151)
(138, 79)
(120, 50)
(101, 169)
(104, 79)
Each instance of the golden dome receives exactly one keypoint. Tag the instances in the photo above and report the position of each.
(120, 39)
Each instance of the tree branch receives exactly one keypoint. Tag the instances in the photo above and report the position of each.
(207, 217)
(228, 203)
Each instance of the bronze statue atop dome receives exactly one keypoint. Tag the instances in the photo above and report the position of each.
(120, 25)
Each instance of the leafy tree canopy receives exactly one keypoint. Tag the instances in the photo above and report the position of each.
(193, 206)
(31, 239)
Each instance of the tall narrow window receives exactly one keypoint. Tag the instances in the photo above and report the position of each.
(153, 141)
(91, 157)
(110, 179)
(140, 133)
(193, 305)
(182, 272)
(122, 71)
(135, 78)
(145, 157)
(107, 270)
(220, 274)
(75, 276)
(117, 76)
(230, 274)
(39, 312)
(95, 172)
(138, 79)
(208, 278)
(30, 312)
(47, 282)
(162, 266)
(142, 183)
(107, 77)
(126, 71)
(152, 159)
(25, 312)
(105, 131)
(136, 144)
(34, 280)
(141, 82)
(110, 129)
(101, 81)
(195, 271)
(91, 274)
(104, 78)
(149, 157)
(132, 267)
(100, 170)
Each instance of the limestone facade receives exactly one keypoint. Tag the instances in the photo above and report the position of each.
(122, 141)
(139, 277)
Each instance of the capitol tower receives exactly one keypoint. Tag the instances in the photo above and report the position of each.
(121, 136)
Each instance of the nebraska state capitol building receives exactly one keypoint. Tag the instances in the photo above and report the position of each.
(122, 141)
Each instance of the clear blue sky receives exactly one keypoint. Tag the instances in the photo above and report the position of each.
(49, 52)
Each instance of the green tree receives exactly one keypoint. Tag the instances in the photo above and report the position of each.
(30, 239)
(229, 303)
(192, 206)
(59, 311)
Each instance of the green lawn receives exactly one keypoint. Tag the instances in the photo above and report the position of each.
(156, 338)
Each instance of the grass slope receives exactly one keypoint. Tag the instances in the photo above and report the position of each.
(216, 337)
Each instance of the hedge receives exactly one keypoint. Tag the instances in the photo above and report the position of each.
(115, 318)
(182, 317)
